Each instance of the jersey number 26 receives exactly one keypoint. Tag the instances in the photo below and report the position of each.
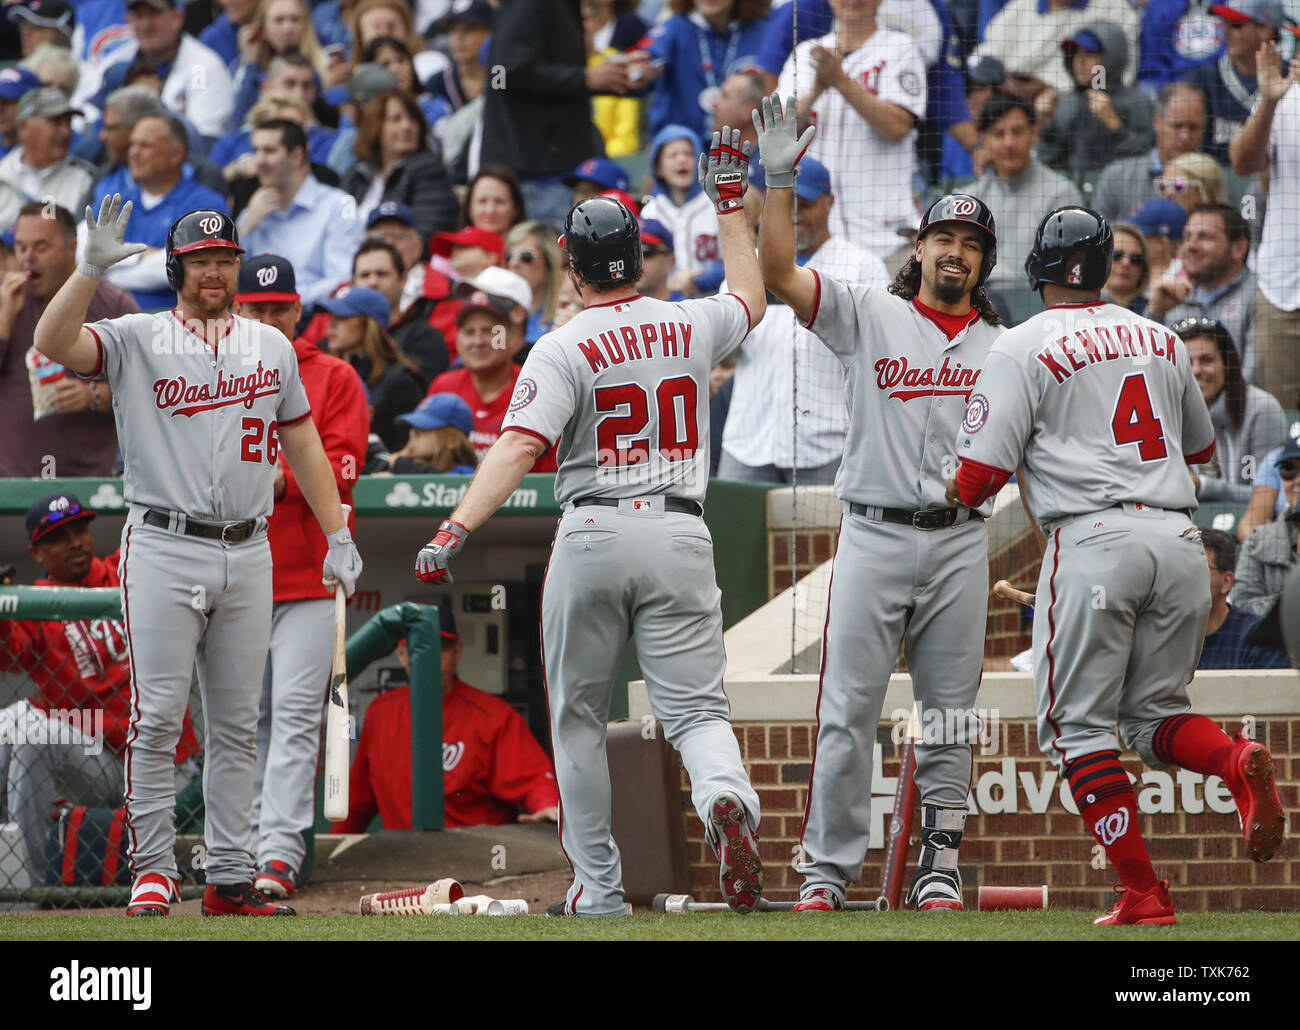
(618, 440)
(250, 445)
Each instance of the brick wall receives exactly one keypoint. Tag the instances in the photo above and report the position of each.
(1009, 628)
(1201, 854)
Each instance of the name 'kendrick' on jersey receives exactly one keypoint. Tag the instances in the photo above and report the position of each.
(1098, 346)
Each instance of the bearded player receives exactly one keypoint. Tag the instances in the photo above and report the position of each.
(1101, 411)
(908, 568)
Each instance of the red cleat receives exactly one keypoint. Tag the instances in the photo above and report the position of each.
(740, 870)
(819, 899)
(275, 880)
(240, 899)
(936, 890)
(1140, 908)
(1262, 821)
(152, 895)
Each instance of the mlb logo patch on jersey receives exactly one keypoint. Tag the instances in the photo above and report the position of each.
(641, 506)
(977, 413)
(525, 391)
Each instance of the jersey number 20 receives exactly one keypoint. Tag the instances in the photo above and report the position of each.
(1135, 421)
(628, 407)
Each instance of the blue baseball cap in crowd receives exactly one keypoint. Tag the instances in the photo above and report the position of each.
(266, 279)
(15, 81)
(655, 234)
(1084, 40)
(1265, 12)
(391, 209)
(358, 300)
(45, 14)
(53, 511)
(600, 170)
(1160, 217)
(438, 410)
(814, 180)
(476, 13)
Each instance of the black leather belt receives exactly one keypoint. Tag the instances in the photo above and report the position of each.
(924, 518)
(226, 532)
(677, 504)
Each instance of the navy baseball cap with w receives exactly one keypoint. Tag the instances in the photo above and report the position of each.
(53, 511)
(266, 279)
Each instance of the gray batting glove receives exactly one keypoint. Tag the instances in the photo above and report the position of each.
(434, 557)
(724, 170)
(779, 150)
(104, 234)
(342, 562)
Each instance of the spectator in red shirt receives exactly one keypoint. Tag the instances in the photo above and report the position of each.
(67, 740)
(302, 619)
(492, 764)
(490, 333)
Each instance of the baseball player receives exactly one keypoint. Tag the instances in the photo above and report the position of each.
(204, 403)
(1100, 411)
(302, 621)
(622, 393)
(908, 568)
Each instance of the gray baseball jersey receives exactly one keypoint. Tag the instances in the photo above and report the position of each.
(198, 428)
(624, 388)
(1101, 404)
(906, 386)
(622, 393)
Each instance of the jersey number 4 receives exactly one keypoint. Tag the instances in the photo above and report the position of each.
(1135, 421)
(250, 446)
(627, 413)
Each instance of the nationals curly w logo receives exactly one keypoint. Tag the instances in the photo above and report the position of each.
(1112, 827)
(963, 207)
(266, 276)
(210, 225)
(452, 754)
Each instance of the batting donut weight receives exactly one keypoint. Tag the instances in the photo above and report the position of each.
(412, 901)
(679, 903)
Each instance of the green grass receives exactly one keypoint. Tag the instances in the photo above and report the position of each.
(970, 926)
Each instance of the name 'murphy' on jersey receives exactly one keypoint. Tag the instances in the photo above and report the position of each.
(626, 343)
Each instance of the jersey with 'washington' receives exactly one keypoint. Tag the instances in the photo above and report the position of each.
(1104, 405)
(624, 388)
(906, 386)
(198, 424)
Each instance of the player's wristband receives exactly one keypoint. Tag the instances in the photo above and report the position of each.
(780, 180)
(91, 271)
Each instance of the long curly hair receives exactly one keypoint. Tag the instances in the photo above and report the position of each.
(908, 282)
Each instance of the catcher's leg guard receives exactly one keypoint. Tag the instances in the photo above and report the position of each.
(936, 886)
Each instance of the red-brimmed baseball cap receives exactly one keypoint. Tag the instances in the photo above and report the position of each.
(470, 236)
(53, 511)
(267, 279)
(624, 198)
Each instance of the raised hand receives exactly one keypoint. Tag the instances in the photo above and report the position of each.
(104, 243)
(1270, 82)
(779, 148)
(724, 170)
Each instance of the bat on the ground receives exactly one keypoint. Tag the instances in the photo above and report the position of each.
(336, 713)
(680, 903)
(900, 826)
(1005, 590)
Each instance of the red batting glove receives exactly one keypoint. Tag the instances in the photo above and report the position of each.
(431, 563)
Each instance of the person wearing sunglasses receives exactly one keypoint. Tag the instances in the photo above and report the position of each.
(1127, 283)
(533, 254)
(1268, 556)
(1192, 180)
(1248, 423)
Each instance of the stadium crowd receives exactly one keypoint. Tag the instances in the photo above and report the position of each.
(399, 172)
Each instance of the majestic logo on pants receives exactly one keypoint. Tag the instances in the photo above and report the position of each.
(1110, 828)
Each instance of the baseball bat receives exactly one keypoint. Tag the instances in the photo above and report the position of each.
(336, 713)
(900, 826)
(1006, 591)
(412, 901)
(681, 903)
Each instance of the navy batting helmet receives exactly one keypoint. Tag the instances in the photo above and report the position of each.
(198, 230)
(1072, 248)
(603, 242)
(962, 207)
